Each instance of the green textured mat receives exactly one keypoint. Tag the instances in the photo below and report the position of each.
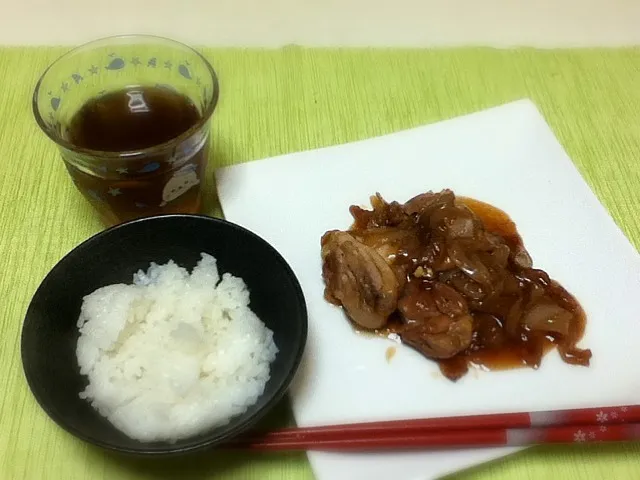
(280, 101)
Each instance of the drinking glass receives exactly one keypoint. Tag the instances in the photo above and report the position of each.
(123, 185)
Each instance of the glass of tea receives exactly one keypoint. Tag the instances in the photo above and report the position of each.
(131, 117)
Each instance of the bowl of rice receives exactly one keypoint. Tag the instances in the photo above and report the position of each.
(164, 335)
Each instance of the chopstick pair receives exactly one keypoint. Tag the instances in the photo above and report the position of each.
(607, 424)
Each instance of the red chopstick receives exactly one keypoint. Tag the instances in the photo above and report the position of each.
(455, 438)
(563, 426)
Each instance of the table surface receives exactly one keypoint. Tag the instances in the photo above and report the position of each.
(278, 101)
(545, 23)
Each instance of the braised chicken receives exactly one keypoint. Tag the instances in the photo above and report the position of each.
(450, 277)
(359, 279)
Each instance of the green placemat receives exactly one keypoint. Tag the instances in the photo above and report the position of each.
(280, 101)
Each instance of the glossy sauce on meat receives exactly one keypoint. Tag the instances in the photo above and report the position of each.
(451, 278)
(497, 221)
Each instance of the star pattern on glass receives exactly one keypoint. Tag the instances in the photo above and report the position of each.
(93, 194)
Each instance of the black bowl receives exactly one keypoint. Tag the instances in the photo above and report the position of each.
(49, 334)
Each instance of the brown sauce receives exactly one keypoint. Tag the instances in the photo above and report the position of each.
(511, 356)
(494, 220)
(508, 328)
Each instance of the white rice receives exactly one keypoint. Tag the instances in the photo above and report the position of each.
(173, 354)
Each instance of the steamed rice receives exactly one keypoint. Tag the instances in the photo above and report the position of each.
(173, 354)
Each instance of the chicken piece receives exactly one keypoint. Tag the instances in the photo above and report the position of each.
(417, 305)
(439, 337)
(396, 245)
(358, 278)
(389, 242)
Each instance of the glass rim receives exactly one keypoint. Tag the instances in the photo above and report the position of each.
(141, 152)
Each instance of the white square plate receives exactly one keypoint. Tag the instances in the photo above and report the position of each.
(506, 156)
